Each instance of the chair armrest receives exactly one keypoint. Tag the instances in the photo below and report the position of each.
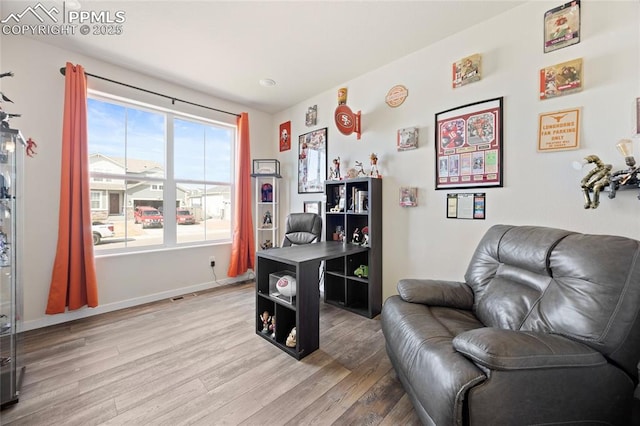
(450, 294)
(500, 349)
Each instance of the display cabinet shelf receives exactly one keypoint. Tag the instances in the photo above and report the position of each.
(354, 282)
(11, 164)
(267, 208)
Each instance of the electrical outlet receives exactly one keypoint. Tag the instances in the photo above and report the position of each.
(212, 261)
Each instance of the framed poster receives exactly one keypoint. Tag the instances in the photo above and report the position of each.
(285, 136)
(562, 26)
(561, 79)
(312, 206)
(469, 145)
(559, 130)
(312, 161)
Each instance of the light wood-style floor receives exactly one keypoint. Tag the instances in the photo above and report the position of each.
(198, 361)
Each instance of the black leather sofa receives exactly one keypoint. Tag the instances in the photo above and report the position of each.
(544, 330)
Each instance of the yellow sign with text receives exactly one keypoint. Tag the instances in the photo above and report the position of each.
(559, 130)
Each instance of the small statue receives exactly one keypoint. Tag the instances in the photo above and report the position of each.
(595, 181)
(291, 339)
(267, 222)
(336, 169)
(266, 245)
(360, 170)
(272, 327)
(266, 320)
(365, 236)
(356, 236)
(374, 166)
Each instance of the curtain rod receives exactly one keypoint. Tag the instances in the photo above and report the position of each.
(173, 99)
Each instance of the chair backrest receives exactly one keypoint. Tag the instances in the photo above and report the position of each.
(302, 228)
(584, 287)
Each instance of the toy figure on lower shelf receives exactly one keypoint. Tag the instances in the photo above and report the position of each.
(266, 320)
(291, 340)
(272, 327)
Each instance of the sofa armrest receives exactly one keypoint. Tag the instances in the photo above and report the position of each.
(450, 294)
(500, 349)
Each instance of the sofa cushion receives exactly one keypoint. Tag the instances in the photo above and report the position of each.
(509, 271)
(593, 295)
(419, 338)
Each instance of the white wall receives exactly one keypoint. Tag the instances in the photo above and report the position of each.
(38, 91)
(539, 188)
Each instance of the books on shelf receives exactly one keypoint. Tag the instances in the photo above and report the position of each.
(361, 201)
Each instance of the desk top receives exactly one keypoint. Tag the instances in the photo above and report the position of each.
(319, 251)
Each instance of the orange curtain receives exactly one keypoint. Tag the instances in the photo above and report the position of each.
(243, 256)
(73, 280)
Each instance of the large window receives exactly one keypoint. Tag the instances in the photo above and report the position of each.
(159, 177)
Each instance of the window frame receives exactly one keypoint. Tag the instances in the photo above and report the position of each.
(169, 182)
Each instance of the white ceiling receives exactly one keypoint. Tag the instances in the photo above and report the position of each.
(225, 47)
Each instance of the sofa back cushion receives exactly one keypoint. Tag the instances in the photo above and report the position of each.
(585, 287)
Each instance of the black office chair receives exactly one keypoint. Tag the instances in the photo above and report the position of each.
(302, 228)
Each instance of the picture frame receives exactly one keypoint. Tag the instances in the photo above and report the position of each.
(285, 136)
(562, 26)
(312, 207)
(312, 161)
(561, 79)
(559, 130)
(407, 139)
(311, 116)
(469, 146)
(408, 196)
(466, 70)
(466, 205)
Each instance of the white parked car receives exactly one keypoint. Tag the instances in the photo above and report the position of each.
(101, 230)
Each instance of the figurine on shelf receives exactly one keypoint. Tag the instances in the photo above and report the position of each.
(360, 170)
(374, 166)
(272, 327)
(365, 236)
(355, 239)
(291, 339)
(266, 245)
(266, 320)
(267, 222)
(336, 169)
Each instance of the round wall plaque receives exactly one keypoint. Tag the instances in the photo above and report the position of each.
(396, 96)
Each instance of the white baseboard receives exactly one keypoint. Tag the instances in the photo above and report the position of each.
(110, 307)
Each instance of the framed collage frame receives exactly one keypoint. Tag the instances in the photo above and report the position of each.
(469, 145)
(312, 161)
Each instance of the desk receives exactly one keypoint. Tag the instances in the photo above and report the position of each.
(304, 312)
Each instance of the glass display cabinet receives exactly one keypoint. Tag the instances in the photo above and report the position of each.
(11, 370)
